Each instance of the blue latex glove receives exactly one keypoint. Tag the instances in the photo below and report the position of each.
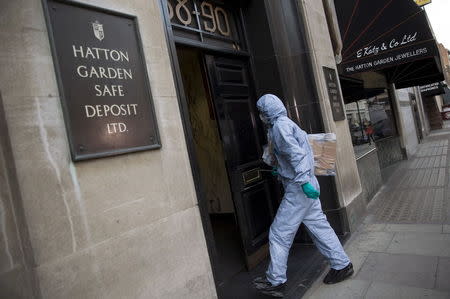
(310, 191)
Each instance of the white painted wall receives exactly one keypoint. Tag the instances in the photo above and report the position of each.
(407, 121)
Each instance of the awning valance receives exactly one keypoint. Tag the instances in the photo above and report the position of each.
(354, 90)
(389, 35)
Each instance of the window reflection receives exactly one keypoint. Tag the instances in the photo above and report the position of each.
(370, 119)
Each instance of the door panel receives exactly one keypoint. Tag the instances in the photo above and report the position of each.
(243, 136)
(258, 219)
(235, 106)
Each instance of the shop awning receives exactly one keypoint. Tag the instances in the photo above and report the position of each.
(389, 35)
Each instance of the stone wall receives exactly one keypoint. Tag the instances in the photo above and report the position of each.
(370, 174)
(119, 227)
(408, 121)
(432, 111)
(17, 278)
(347, 179)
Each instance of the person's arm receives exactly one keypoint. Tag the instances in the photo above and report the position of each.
(288, 146)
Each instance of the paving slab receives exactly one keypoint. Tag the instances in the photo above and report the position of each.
(411, 206)
(419, 228)
(373, 227)
(431, 244)
(370, 218)
(402, 248)
(446, 229)
(443, 274)
(409, 270)
(372, 241)
(347, 289)
(357, 257)
(384, 290)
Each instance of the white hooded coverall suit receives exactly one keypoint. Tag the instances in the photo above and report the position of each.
(295, 166)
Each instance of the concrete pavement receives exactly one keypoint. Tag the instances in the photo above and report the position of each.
(402, 250)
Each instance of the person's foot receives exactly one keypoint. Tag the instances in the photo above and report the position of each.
(265, 287)
(335, 276)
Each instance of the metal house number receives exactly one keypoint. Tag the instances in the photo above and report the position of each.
(215, 18)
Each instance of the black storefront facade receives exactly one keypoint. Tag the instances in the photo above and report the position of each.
(223, 60)
(386, 46)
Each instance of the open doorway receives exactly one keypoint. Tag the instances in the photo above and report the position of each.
(211, 163)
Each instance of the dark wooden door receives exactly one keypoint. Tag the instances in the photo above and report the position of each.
(240, 131)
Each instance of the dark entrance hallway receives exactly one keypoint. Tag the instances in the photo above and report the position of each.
(211, 160)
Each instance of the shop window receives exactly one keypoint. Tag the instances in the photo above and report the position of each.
(370, 120)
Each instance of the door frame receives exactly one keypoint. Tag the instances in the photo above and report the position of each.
(172, 43)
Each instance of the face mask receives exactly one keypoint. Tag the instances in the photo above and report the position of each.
(263, 119)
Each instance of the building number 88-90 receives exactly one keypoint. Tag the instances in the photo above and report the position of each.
(215, 18)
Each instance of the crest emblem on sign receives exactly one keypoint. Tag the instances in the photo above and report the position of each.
(98, 30)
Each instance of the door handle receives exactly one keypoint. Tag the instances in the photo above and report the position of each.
(251, 176)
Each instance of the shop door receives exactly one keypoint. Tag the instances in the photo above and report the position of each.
(235, 105)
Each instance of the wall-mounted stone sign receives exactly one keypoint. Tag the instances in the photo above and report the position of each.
(334, 93)
(102, 80)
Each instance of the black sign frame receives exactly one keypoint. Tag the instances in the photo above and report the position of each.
(432, 89)
(155, 141)
(334, 93)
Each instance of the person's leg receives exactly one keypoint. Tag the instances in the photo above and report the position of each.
(290, 214)
(325, 238)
